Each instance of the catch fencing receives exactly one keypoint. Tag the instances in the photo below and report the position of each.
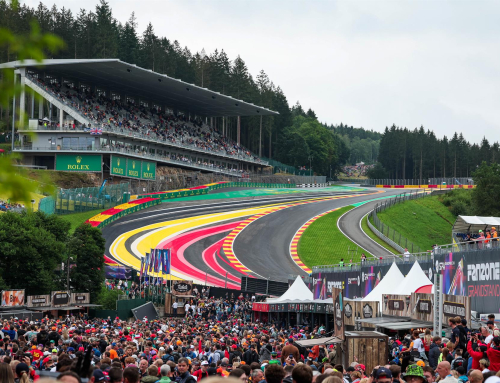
(395, 238)
(68, 201)
(414, 181)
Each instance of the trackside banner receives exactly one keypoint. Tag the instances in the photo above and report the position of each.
(474, 274)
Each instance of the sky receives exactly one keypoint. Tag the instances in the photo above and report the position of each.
(370, 64)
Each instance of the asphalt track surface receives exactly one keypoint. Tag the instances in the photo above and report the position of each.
(263, 246)
(350, 225)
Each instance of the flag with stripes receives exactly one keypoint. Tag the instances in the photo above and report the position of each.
(166, 261)
(151, 260)
(142, 266)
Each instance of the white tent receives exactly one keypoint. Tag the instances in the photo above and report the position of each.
(415, 279)
(388, 285)
(464, 223)
(298, 291)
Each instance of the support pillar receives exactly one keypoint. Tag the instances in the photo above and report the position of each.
(223, 126)
(238, 132)
(50, 112)
(32, 104)
(14, 112)
(40, 108)
(260, 137)
(22, 98)
(61, 118)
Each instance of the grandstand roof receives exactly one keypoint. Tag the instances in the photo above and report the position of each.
(130, 79)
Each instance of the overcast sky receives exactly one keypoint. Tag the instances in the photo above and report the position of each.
(365, 63)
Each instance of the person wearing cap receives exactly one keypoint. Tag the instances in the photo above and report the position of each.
(384, 375)
(202, 372)
(415, 374)
(223, 369)
(274, 358)
(99, 376)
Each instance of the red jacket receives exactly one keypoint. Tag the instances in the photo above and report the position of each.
(476, 356)
(494, 357)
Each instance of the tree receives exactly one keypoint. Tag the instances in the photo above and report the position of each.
(485, 201)
(32, 246)
(377, 172)
(87, 248)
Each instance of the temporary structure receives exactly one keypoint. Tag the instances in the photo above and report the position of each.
(388, 285)
(298, 291)
(415, 279)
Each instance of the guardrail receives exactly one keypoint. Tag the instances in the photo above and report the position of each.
(204, 189)
(415, 181)
(395, 239)
(111, 215)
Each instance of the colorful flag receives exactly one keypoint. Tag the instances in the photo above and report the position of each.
(151, 258)
(142, 266)
(166, 262)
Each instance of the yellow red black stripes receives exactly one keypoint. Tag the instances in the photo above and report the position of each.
(231, 237)
(295, 241)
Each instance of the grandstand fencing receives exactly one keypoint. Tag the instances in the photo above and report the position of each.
(279, 167)
(414, 181)
(68, 201)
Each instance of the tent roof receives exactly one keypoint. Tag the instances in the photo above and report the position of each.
(473, 223)
(427, 289)
(388, 285)
(415, 279)
(298, 291)
(125, 78)
(318, 341)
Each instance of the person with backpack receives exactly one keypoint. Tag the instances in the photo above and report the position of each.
(458, 361)
(435, 352)
(265, 350)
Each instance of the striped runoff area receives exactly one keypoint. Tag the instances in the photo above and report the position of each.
(295, 241)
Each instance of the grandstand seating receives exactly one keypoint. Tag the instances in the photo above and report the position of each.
(104, 113)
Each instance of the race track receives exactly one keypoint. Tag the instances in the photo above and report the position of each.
(219, 241)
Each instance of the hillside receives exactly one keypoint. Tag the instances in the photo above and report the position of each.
(425, 222)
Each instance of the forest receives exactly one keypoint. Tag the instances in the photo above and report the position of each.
(290, 137)
(419, 154)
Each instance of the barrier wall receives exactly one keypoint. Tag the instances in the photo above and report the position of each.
(475, 274)
(204, 189)
(444, 187)
(111, 215)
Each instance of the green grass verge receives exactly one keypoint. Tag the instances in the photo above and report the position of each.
(322, 243)
(76, 219)
(371, 234)
(424, 221)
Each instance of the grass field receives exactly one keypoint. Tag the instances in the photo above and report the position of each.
(367, 230)
(77, 219)
(324, 244)
(423, 221)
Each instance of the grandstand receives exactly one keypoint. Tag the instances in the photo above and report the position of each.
(113, 117)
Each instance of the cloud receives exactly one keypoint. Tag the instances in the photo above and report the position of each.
(364, 63)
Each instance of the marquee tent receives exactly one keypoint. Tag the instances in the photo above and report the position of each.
(298, 291)
(415, 279)
(388, 285)
(466, 223)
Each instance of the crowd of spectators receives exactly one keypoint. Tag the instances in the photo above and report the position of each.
(218, 340)
(356, 171)
(11, 206)
(127, 117)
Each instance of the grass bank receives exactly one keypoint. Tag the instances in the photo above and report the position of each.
(323, 243)
(76, 219)
(424, 221)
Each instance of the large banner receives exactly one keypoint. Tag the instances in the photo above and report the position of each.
(78, 163)
(60, 298)
(456, 306)
(473, 274)
(396, 305)
(12, 298)
(80, 298)
(118, 272)
(182, 288)
(338, 313)
(38, 300)
(358, 284)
